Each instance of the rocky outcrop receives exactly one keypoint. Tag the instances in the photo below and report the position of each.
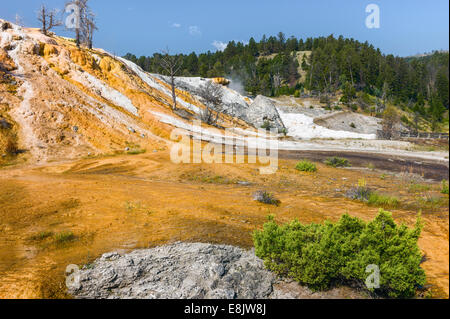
(179, 271)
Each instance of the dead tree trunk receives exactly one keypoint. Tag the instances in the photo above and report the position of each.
(171, 65)
(48, 19)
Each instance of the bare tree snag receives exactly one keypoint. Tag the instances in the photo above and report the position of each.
(171, 65)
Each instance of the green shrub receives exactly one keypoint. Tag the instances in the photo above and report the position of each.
(385, 201)
(337, 162)
(306, 166)
(444, 189)
(322, 255)
(267, 126)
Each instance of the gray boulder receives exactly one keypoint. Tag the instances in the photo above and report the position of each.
(262, 112)
(179, 271)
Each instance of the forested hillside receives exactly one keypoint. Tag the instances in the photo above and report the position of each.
(355, 70)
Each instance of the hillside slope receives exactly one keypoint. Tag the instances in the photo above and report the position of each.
(65, 102)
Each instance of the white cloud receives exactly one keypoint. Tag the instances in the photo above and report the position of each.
(219, 45)
(176, 25)
(194, 30)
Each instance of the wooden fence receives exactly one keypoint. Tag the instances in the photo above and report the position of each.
(424, 135)
(399, 135)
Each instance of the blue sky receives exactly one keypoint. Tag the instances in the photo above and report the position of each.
(144, 27)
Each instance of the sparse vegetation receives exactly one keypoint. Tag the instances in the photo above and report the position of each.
(323, 255)
(306, 166)
(385, 201)
(137, 207)
(418, 188)
(64, 237)
(266, 198)
(363, 193)
(431, 202)
(208, 177)
(337, 162)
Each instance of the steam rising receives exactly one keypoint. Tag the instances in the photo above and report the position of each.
(237, 85)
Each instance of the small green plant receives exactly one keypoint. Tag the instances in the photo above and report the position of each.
(64, 237)
(306, 166)
(266, 198)
(321, 255)
(444, 189)
(371, 166)
(136, 151)
(353, 125)
(337, 162)
(267, 126)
